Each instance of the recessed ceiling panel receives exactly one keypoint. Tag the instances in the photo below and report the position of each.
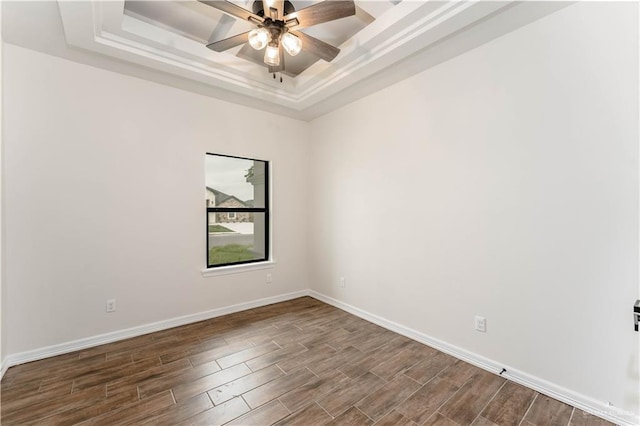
(171, 36)
(190, 19)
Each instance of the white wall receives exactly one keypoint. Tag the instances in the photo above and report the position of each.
(1, 215)
(502, 183)
(104, 197)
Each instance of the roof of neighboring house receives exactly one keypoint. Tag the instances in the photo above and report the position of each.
(221, 197)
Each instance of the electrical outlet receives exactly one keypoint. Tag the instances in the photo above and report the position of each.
(269, 280)
(481, 324)
(111, 305)
(343, 283)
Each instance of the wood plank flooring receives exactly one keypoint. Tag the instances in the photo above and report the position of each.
(300, 362)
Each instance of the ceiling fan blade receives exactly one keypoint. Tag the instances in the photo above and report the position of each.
(319, 13)
(228, 43)
(317, 47)
(233, 10)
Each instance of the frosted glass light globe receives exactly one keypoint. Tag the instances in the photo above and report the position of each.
(258, 38)
(291, 44)
(272, 55)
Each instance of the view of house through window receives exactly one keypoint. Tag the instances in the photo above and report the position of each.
(237, 201)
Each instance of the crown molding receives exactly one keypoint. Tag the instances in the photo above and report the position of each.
(410, 26)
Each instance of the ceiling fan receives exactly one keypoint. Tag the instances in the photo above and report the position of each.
(278, 25)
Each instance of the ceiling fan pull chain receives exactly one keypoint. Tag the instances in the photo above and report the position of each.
(281, 77)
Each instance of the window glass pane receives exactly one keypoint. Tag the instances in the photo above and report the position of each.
(235, 182)
(233, 185)
(237, 240)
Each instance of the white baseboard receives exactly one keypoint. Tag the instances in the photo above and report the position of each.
(612, 414)
(585, 403)
(63, 348)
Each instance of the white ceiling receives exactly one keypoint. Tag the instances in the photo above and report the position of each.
(164, 41)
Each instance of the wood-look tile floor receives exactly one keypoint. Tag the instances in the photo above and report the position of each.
(300, 362)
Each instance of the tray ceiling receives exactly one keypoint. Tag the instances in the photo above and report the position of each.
(170, 37)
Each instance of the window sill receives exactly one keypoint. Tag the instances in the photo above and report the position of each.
(236, 269)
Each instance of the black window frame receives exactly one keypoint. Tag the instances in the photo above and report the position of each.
(265, 210)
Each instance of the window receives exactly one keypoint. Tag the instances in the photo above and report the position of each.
(237, 210)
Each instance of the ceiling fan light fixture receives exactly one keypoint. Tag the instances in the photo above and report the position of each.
(272, 55)
(291, 44)
(278, 22)
(258, 38)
